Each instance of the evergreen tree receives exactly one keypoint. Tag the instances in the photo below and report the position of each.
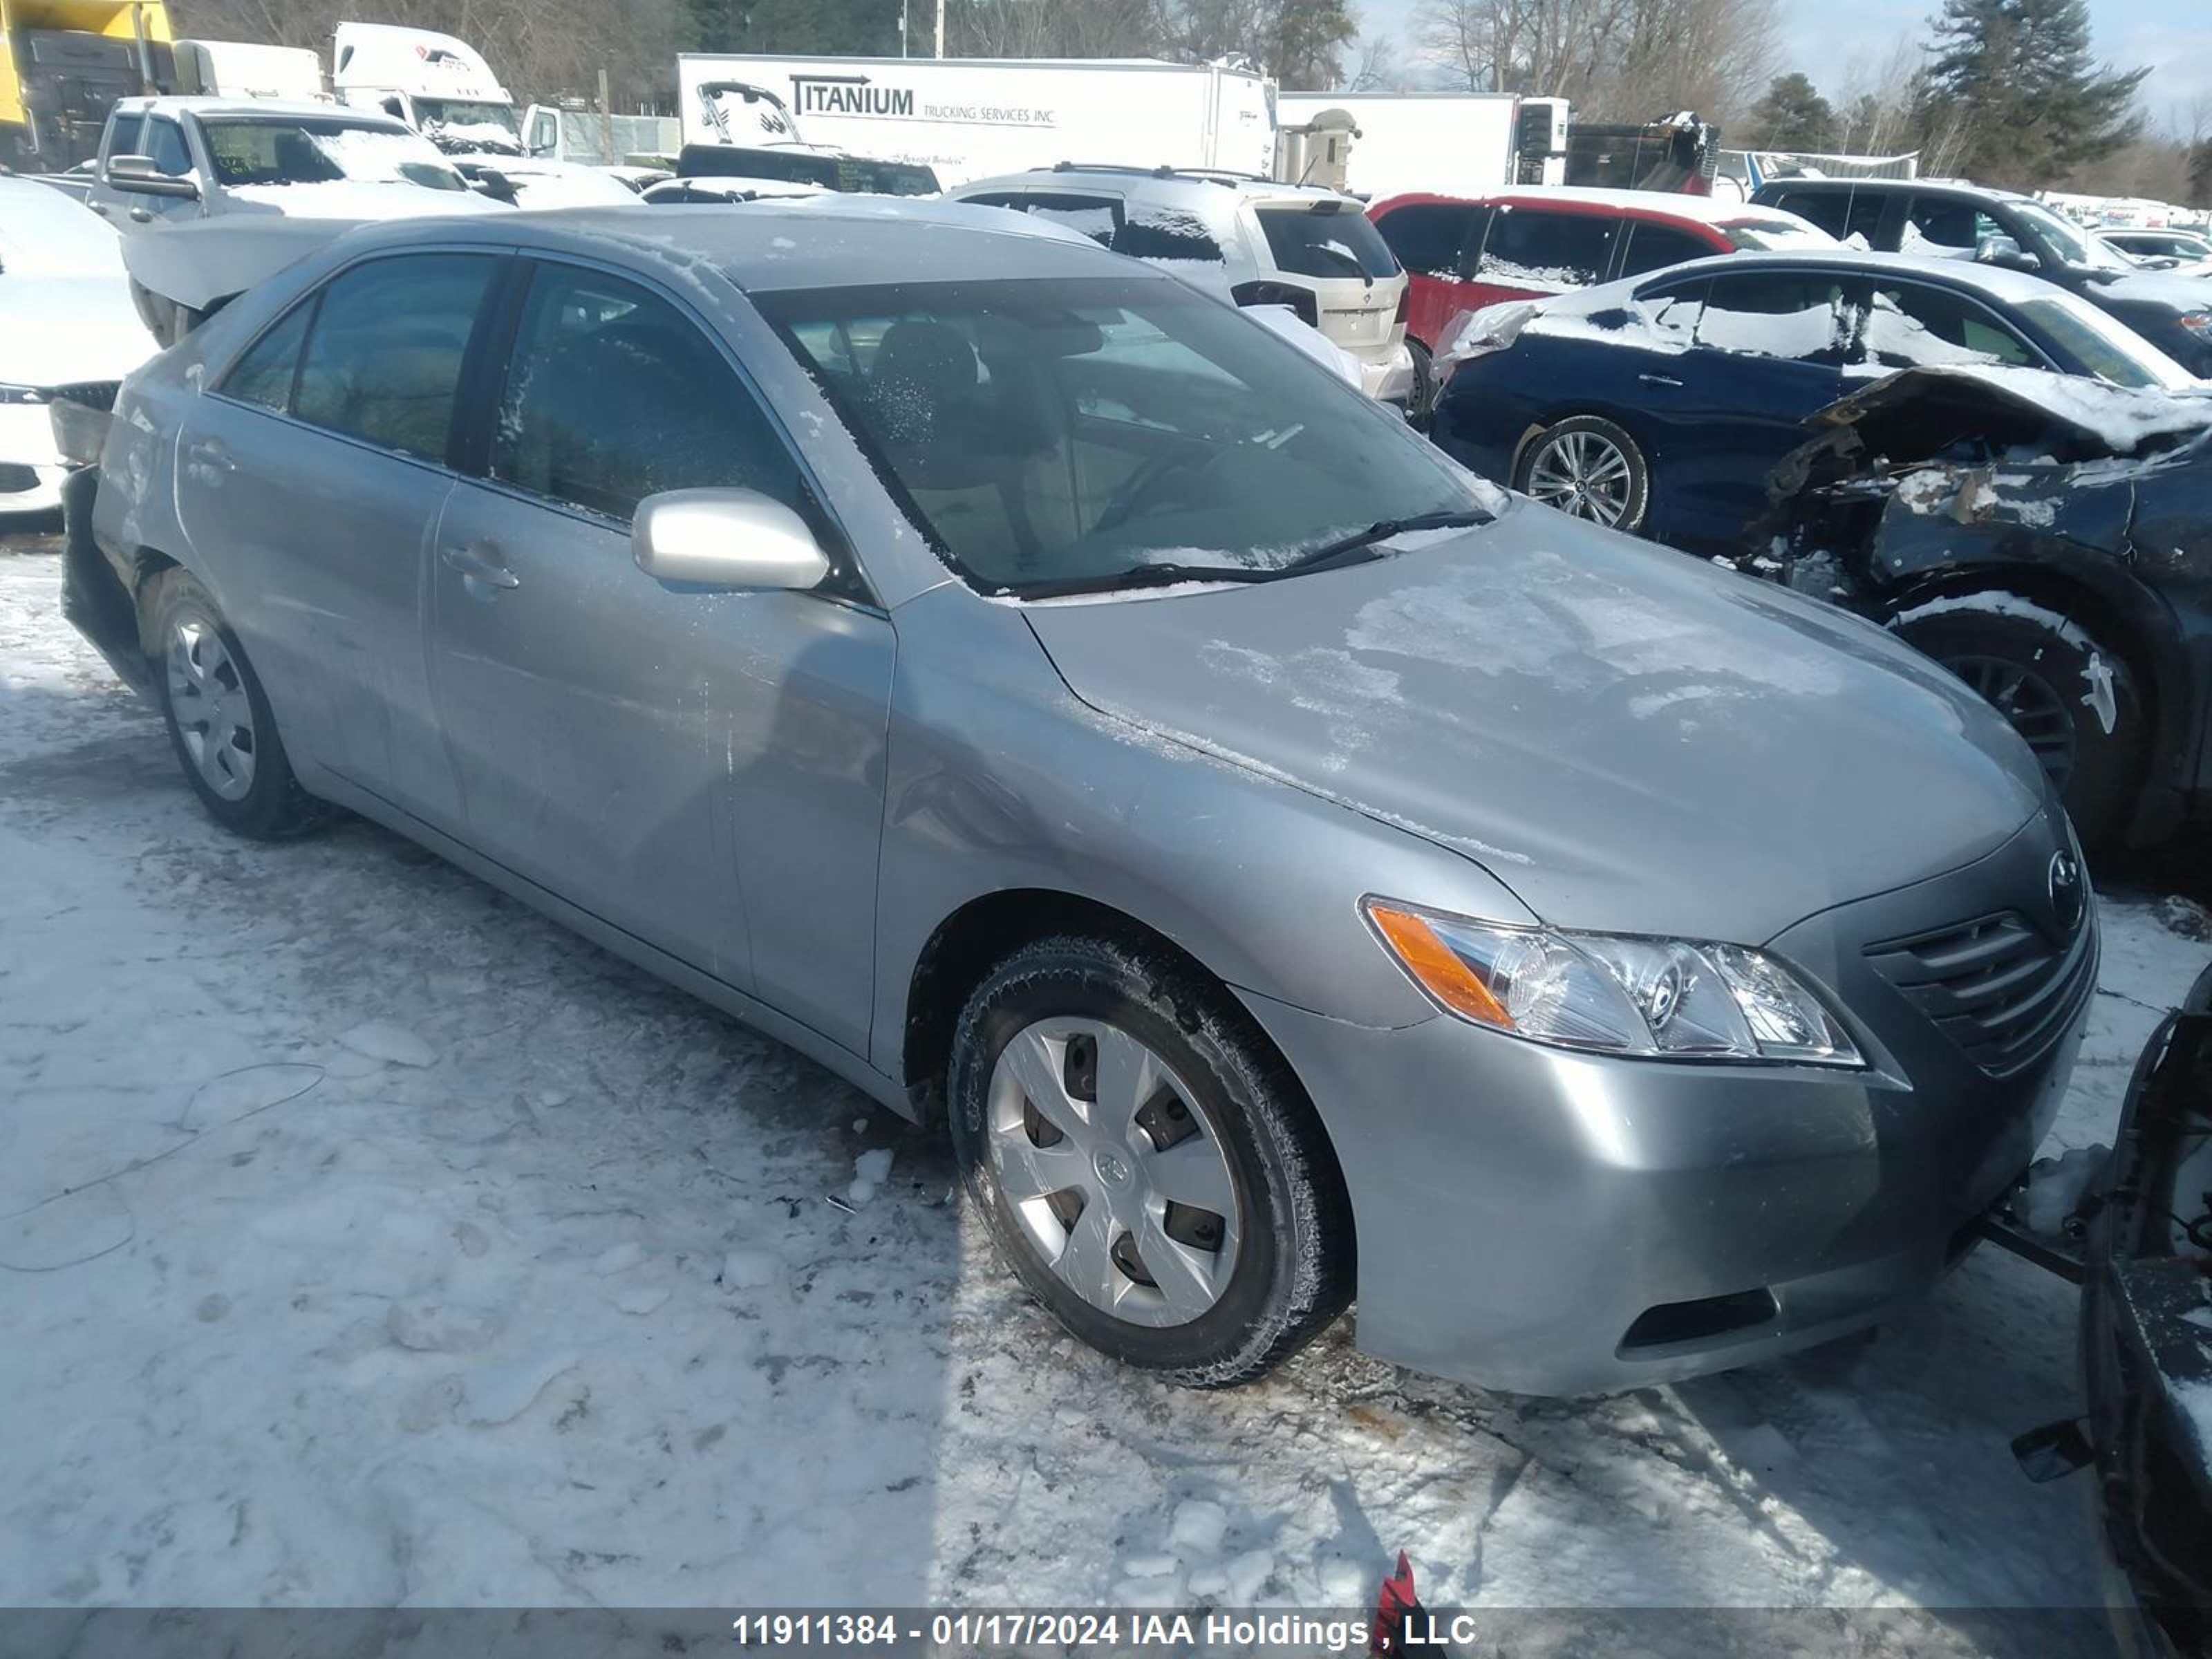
(1793, 116)
(2030, 101)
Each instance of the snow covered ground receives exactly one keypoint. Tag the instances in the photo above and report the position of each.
(366, 1240)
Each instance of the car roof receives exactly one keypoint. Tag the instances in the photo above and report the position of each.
(1991, 281)
(272, 108)
(826, 241)
(1073, 174)
(1959, 187)
(1656, 204)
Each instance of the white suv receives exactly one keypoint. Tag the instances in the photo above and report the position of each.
(1256, 242)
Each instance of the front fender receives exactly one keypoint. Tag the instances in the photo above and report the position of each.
(1001, 779)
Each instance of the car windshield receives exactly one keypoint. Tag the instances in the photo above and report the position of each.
(318, 152)
(2067, 239)
(1325, 241)
(1052, 433)
(2109, 349)
(1773, 234)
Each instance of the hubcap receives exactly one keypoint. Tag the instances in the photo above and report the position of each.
(1113, 1171)
(208, 701)
(1583, 474)
(2033, 706)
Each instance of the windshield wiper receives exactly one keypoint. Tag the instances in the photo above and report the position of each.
(1143, 575)
(1360, 545)
(1354, 549)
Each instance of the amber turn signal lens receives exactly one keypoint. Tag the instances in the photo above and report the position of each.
(1438, 969)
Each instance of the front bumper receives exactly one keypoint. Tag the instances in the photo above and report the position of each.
(30, 467)
(1536, 1220)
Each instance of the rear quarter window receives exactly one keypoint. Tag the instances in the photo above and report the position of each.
(1429, 239)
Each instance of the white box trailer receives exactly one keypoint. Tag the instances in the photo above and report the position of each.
(970, 117)
(1451, 143)
(246, 69)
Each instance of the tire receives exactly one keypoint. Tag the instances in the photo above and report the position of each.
(206, 683)
(1421, 405)
(1588, 468)
(2073, 698)
(1211, 1289)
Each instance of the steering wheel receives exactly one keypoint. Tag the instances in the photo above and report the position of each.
(1139, 485)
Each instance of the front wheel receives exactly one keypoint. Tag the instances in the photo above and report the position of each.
(1421, 404)
(2072, 697)
(1588, 468)
(1148, 1168)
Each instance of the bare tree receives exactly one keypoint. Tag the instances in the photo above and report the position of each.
(1377, 69)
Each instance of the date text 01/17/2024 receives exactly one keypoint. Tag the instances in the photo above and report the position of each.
(1337, 1633)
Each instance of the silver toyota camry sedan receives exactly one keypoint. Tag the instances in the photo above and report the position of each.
(1294, 871)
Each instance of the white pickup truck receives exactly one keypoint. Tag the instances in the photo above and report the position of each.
(169, 159)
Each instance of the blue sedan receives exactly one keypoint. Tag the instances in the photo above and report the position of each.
(1660, 405)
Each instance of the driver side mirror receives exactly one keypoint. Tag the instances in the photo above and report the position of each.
(725, 538)
(2003, 251)
(136, 175)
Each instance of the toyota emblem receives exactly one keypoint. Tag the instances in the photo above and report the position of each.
(2069, 894)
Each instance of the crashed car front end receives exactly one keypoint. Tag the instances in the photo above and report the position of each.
(2147, 1335)
(2081, 505)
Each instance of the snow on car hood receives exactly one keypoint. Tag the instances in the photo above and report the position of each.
(57, 331)
(357, 199)
(1627, 738)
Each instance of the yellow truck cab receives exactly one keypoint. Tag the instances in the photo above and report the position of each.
(63, 63)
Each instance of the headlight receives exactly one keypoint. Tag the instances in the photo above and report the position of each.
(1664, 997)
(21, 394)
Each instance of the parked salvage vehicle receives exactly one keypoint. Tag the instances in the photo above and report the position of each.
(2137, 1236)
(2048, 540)
(1660, 406)
(998, 669)
(1998, 228)
(1461, 253)
(1249, 242)
(68, 334)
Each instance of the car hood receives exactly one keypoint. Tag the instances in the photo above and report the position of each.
(63, 329)
(2175, 289)
(1627, 738)
(356, 198)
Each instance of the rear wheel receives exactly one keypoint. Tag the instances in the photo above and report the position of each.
(219, 719)
(1588, 468)
(1148, 1168)
(2071, 697)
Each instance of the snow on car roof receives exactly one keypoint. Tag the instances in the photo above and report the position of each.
(1704, 209)
(1993, 281)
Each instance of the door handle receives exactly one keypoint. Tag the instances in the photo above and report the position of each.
(141, 215)
(479, 561)
(1659, 380)
(208, 452)
(101, 208)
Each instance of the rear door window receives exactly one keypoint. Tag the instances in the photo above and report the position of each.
(1655, 247)
(1842, 213)
(1151, 230)
(1433, 239)
(264, 374)
(1801, 319)
(1529, 247)
(383, 361)
(1326, 242)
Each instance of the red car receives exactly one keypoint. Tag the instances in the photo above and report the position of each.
(1463, 252)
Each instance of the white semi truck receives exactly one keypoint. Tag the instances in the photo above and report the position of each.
(436, 83)
(1449, 142)
(972, 118)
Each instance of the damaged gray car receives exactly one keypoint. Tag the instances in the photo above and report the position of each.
(2049, 539)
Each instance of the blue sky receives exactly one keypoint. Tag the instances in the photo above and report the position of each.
(2173, 35)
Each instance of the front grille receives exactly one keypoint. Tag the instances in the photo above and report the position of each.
(2000, 988)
